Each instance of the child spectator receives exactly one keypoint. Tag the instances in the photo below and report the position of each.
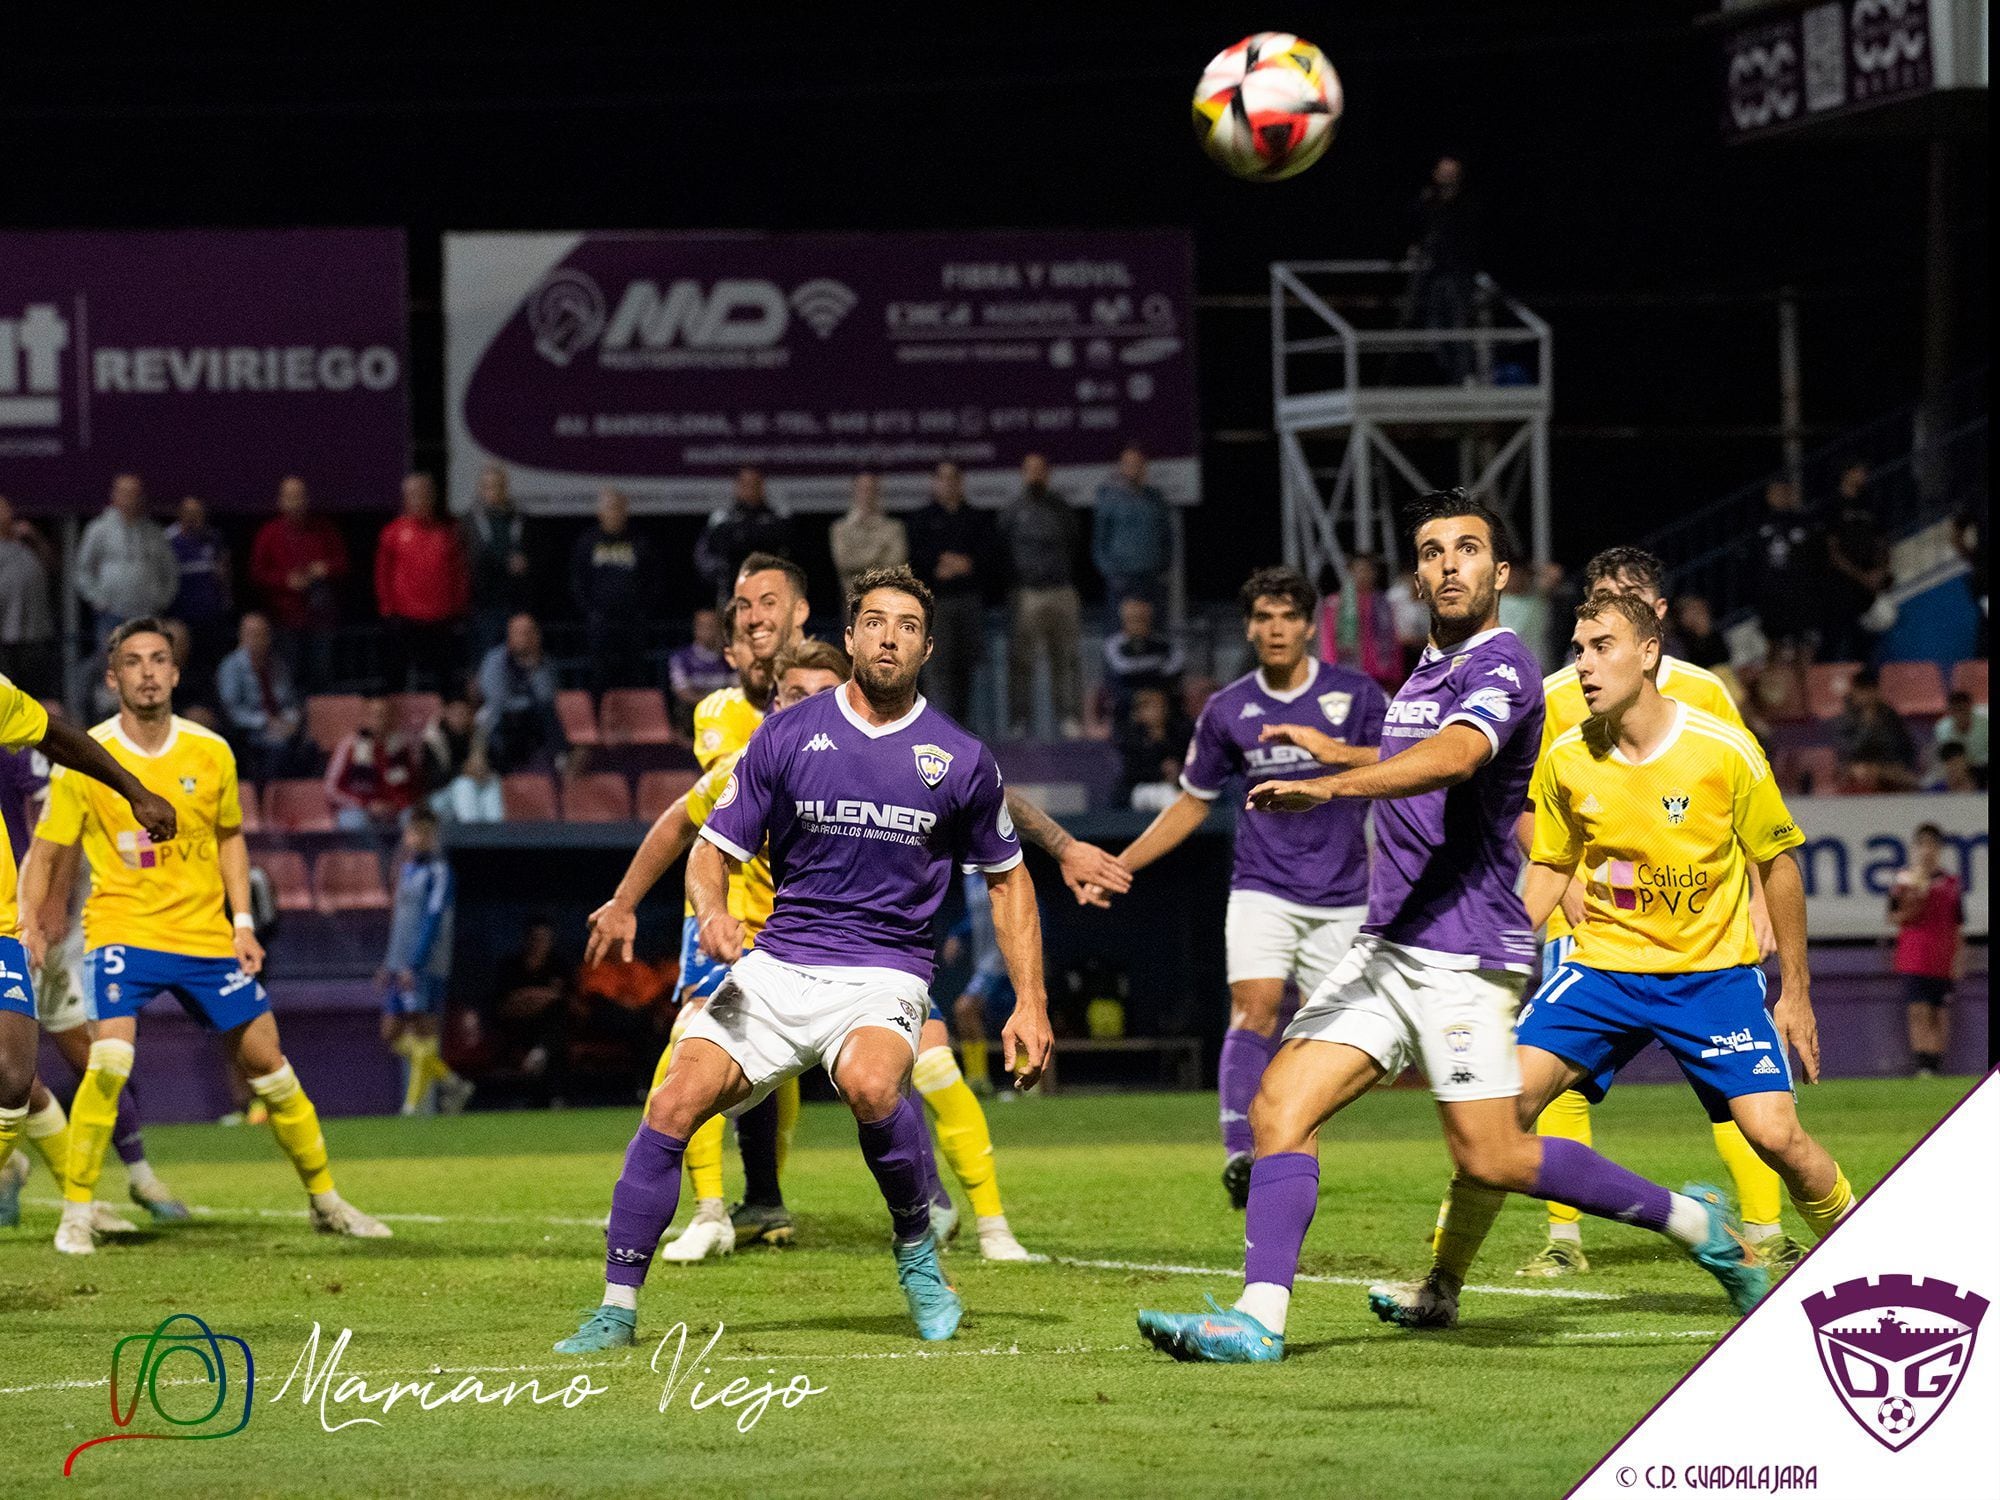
(416, 970)
(1928, 907)
(1964, 724)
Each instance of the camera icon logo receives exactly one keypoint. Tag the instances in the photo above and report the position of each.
(197, 1384)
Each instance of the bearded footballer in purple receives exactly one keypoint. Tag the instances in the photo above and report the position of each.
(1299, 886)
(1437, 974)
(871, 799)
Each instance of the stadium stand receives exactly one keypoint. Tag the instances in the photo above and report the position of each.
(298, 806)
(578, 716)
(529, 797)
(332, 717)
(635, 716)
(349, 880)
(597, 797)
(658, 789)
(291, 882)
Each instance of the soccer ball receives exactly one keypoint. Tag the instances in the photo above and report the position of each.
(1266, 107)
(1896, 1415)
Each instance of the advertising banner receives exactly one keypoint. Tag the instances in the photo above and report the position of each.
(663, 363)
(1855, 845)
(211, 362)
(1786, 65)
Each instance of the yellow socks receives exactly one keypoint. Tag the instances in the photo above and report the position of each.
(961, 1128)
(1568, 1117)
(12, 1117)
(1757, 1186)
(48, 1128)
(1468, 1213)
(293, 1120)
(703, 1159)
(93, 1116)
(788, 1120)
(1826, 1212)
(974, 1052)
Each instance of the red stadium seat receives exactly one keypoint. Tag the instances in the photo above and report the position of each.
(414, 711)
(578, 716)
(253, 815)
(349, 880)
(331, 717)
(291, 885)
(1826, 687)
(297, 806)
(1817, 769)
(658, 789)
(1914, 689)
(635, 716)
(1970, 677)
(600, 797)
(528, 797)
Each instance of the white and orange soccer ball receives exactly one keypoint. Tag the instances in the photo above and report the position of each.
(1266, 107)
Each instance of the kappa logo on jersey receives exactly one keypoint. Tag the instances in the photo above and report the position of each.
(1503, 670)
(1676, 804)
(1895, 1349)
(820, 741)
(1251, 711)
(932, 762)
(1336, 707)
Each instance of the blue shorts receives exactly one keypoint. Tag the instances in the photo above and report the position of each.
(424, 998)
(1713, 1024)
(118, 981)
(700, 975)
(17, 987)
(1556, 952)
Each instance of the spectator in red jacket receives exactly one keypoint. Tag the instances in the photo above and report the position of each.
(297, 563)
(1927, 905)
(377, 772)
(422, 591)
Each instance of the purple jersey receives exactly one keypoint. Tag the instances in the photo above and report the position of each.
(1446, 862)
(866, 822)
(1317, 858)
(24, 776)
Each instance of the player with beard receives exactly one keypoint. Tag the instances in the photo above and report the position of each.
(870, 799)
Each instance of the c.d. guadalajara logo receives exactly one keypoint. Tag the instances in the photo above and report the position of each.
(1895, 1349)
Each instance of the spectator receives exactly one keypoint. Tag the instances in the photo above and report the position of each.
(1412, 616)
(448, 742)
(1039, 532)
(746, 525)
(27, 615)
(1138, 656)
(1152, 743)
(376, 773)
(496, 559)
(698, 669)
(1444, 258)
(1964, 724)
(864, 538)
(1791, 569)
(124, 567)
(298, 562)
(524, 1047)
(206, 593)
(420, 588)
(1874, 745)
(415, 977)
(1857, 554)
(1357, 625)
(260, 704)
(517, 709)
(1968, 540)
(951, 547)
(611, 573)
(1696, 639)
(473, 795)
(1132, 534)
(1927, 905)
(1953, 772)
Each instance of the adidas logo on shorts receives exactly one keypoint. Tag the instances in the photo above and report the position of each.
(15, 992)
(1765, 1065)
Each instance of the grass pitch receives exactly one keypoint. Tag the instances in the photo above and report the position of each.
(1047, 1390)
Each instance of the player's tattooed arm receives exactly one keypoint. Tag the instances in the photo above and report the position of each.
(1087, 870)
(1026, 1040)
(708, 889)
(69, 746)
(1321, 746)
(1785, 892)
(615, 924)
(1445, 759)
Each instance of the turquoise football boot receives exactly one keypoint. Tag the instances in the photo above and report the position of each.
(1220, 1336)
(933, 1304)
(1726, 1254)
(12, 1175)
(603, 1328)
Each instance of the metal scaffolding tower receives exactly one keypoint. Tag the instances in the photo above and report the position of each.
(1368, 416)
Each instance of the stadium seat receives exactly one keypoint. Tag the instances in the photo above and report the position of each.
(414, 711)
(528, 797)
(634, 716)
(578, 716)
(600, 797)
(1826, 687)
(349, 880)
(291, 885)
(658, 789)
(1780, 694)
(331, 717)
(253, 815)
(297, 806)
(1817, 769)
(1914, 689)
(1970, 677)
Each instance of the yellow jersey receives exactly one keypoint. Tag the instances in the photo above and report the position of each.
(23, 723)
(723, 724)
(1563, 708)
(751, 894)
(164, 897)
(1662, 842)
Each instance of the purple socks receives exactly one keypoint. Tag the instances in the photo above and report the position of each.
(642, 1205)
(1245, 1055)
(898, 1151)
(125, 1137)
(934, 1188)
(1572, 1173)
(1284, 1191)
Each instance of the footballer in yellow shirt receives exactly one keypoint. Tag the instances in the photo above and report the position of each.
(159, 921)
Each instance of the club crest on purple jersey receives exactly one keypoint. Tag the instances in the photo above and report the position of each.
(1895, 1349)
(1336, 707)
(932, 762)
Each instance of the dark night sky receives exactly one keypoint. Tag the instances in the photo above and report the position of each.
(1589, 129)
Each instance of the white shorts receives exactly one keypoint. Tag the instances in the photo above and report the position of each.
(59, 997)
(777, 1019)
(1267, 937)
(1457, 1024)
